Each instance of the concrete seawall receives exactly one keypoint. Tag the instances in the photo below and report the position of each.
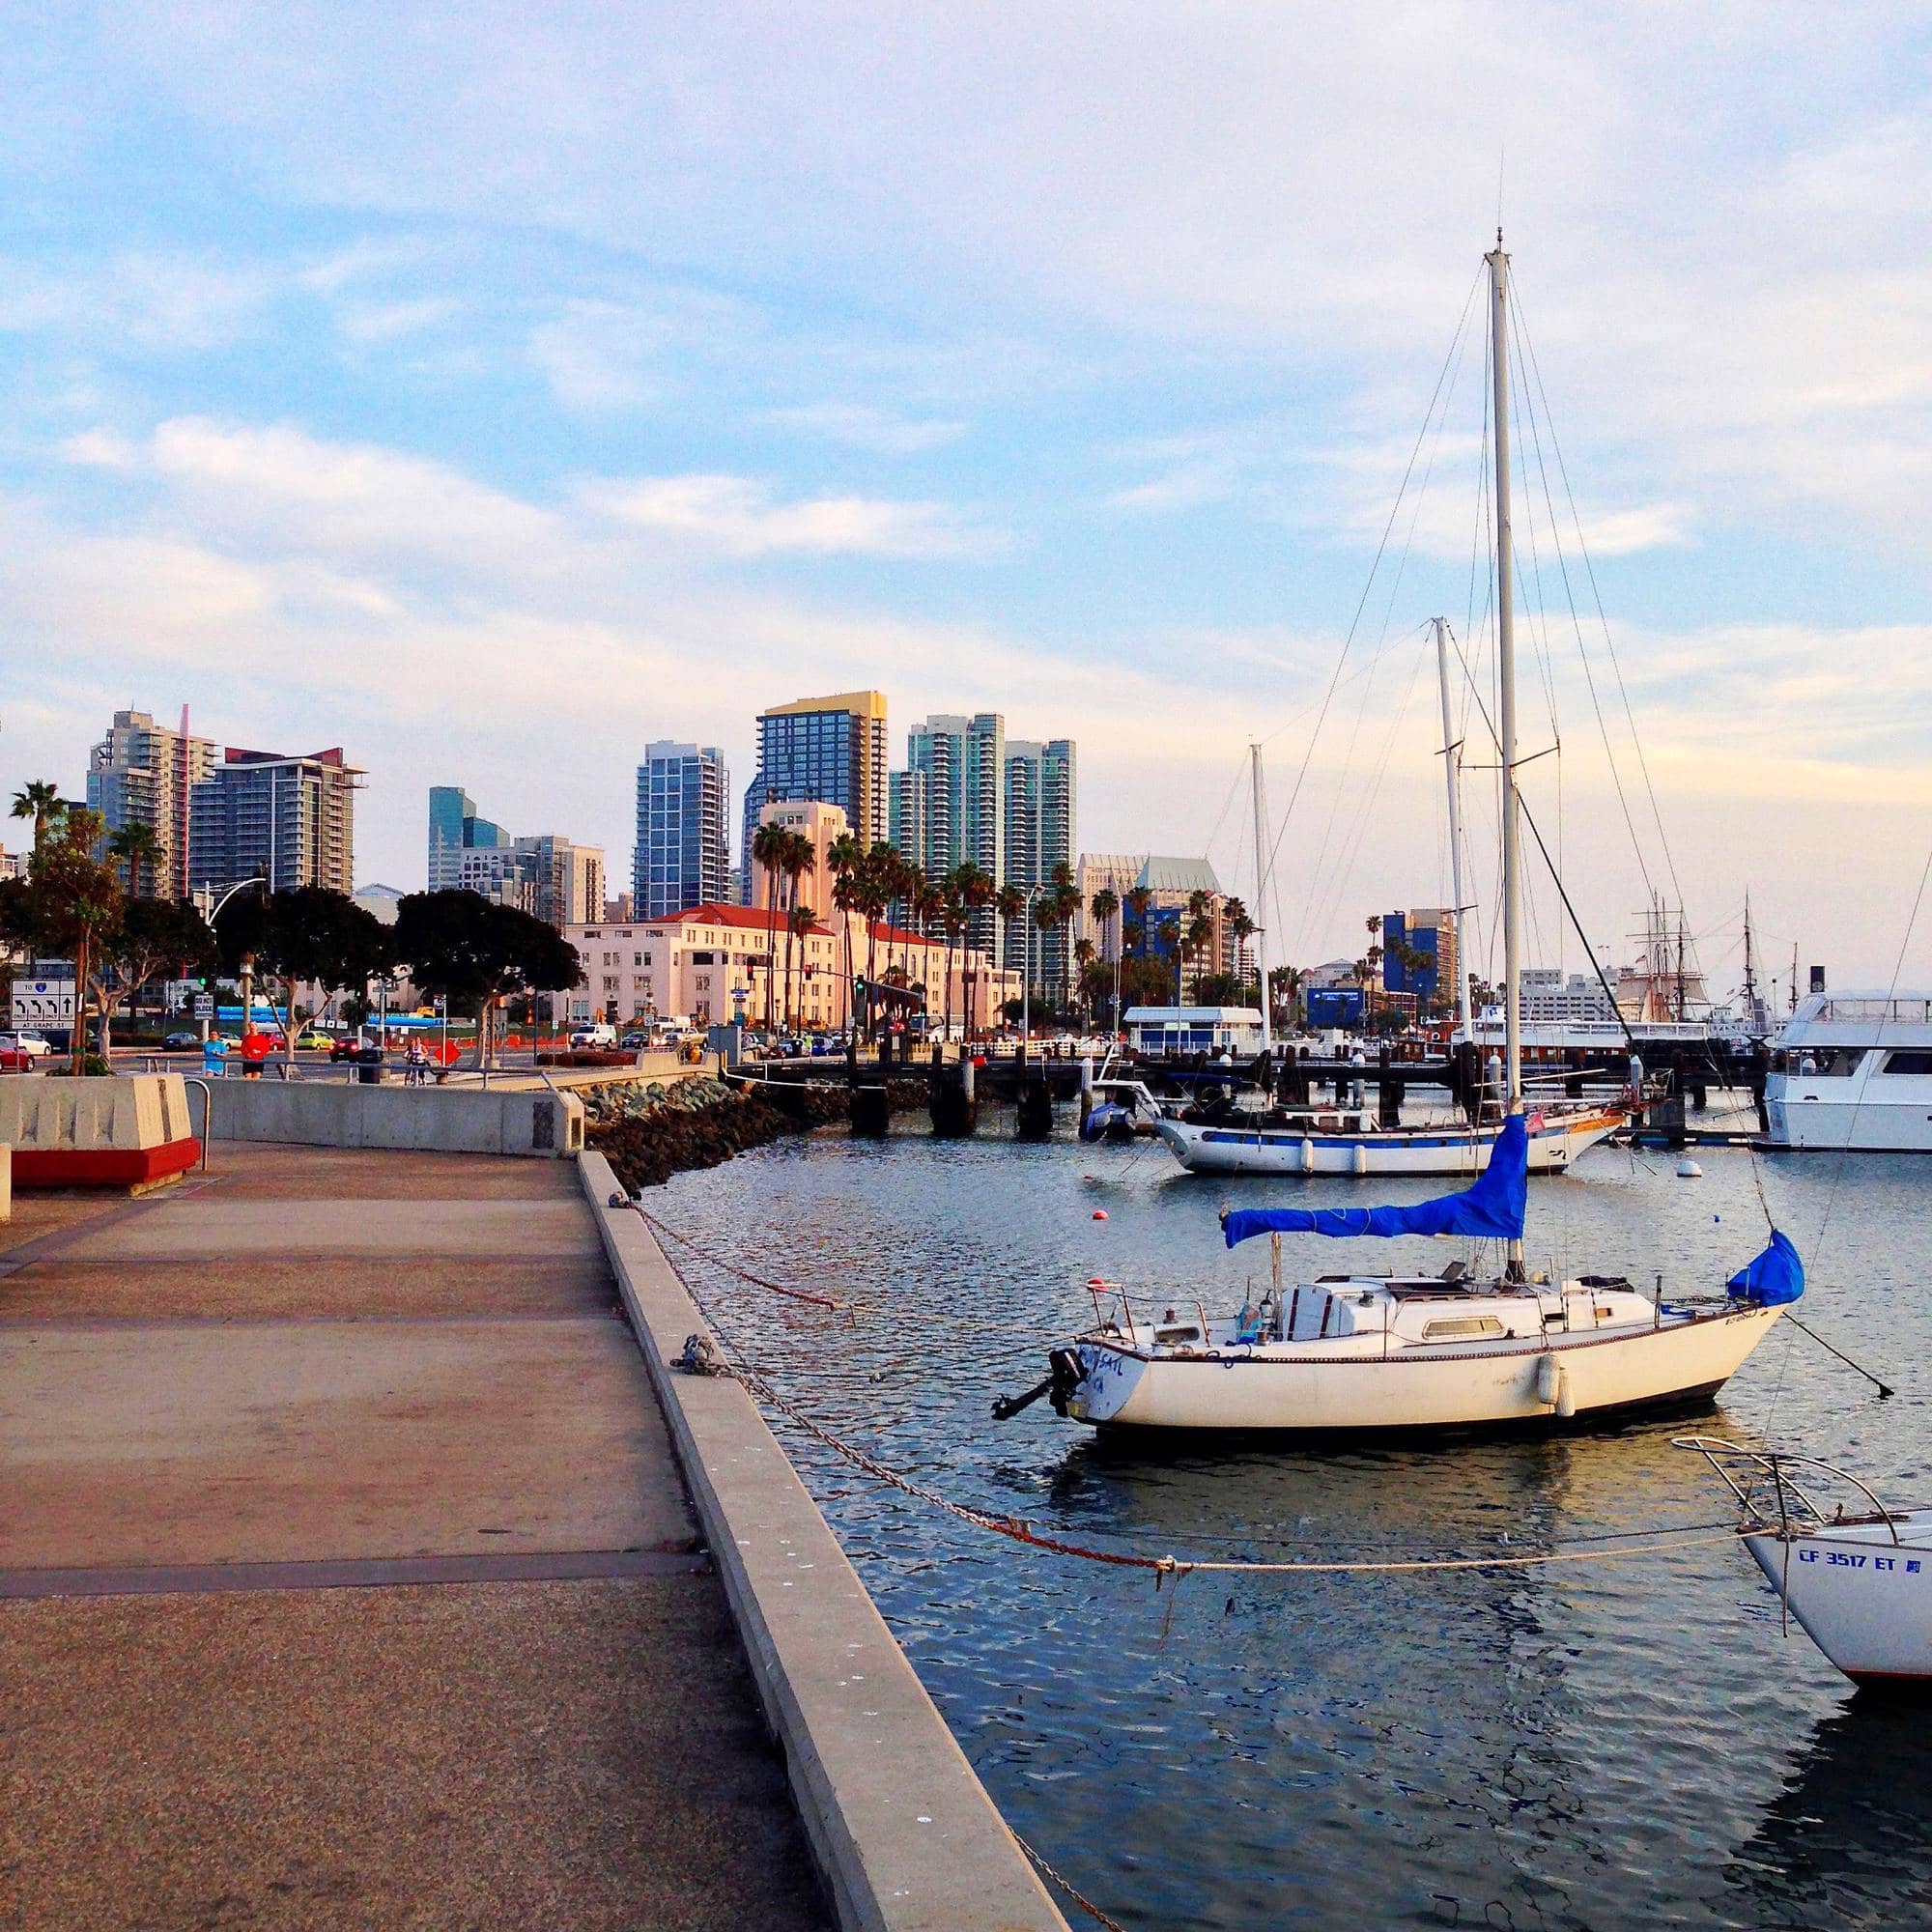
(904, 1834)
(517, 1120)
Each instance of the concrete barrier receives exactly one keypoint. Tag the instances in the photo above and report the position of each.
(446, 1120)
(905, 1833)
(5, 1183)
(124, 1130)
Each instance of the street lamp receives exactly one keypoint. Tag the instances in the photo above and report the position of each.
(1026, 970)
(248, 975)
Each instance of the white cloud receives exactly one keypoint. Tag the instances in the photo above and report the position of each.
(738, 516)
(858, 426)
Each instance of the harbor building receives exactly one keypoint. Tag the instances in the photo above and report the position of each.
(566, 879)
(1116, 872)
(144, 773)
(829, 749)
(953, 803)
(288, 819)
(708, 964)
(546, 874)
(1040, 836)
(1419, 958)
(682, 854)
(455, 830)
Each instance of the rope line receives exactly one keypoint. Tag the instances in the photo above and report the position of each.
(1068, 1886)
(731, 1268)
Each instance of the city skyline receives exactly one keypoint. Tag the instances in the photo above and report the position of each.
(556, 462)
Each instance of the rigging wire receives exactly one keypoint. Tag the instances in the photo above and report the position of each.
(1610, 642)
(1450, 361)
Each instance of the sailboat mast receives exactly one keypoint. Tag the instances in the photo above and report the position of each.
(1452, 777)
(1261, 890)
(1506, 676)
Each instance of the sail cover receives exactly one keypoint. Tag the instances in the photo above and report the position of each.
(1492, 1207)
(1775, 1277)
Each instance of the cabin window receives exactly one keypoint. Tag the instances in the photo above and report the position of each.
(1463, 1328)
(1912, 1060)
(1830, 1063)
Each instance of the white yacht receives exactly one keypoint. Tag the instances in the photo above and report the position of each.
(1858, 1578)
(1853, 1071)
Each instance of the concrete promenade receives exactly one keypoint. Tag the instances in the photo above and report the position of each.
(346, 1574)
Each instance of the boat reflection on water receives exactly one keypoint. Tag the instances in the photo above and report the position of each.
(1846, 1841)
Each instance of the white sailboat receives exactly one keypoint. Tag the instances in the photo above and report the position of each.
(1359, 1352)
(1338, 1140)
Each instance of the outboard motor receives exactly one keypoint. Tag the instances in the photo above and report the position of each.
(1065, 1375)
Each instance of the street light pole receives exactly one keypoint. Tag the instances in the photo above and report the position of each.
(1026, 970)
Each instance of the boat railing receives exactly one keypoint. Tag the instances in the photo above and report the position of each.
(1742, 1469)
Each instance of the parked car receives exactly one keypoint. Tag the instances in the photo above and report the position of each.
(182, 1042)
(312, 1039)
(13, 1061)
(33, 1044)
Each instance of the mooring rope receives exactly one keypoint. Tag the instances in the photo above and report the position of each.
(731, 1268)
(1068, 1886)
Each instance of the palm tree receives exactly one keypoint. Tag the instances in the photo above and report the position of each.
(40, 801)
(769, 844)
(1084, 952)
(135, 845)
(796, 860)
(1010, 904)
(1064, 899)
(1235, 915)
(846, 858)
(928, 907)
(976, 892)
(1137, 902)
(1104, 905)
(800, 919)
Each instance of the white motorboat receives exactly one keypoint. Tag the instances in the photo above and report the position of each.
(1860, 1584)
(1354, 1353)
(1852, 1073)
(1367, 1352)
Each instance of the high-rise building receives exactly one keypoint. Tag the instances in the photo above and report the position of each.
(144, 773)
(950, 804)
(681, 858)
(1039, 835)
(1419, 955)
(828, 748)
(454, 832)
(566, 880)
(290, 820)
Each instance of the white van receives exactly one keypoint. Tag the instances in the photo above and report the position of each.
(594, 1036)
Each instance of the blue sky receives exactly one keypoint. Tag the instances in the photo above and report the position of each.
(494, 389)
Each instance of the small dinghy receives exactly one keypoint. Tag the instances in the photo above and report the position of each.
(1857, 1576)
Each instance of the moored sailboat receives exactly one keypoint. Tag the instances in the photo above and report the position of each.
(1372, 1353)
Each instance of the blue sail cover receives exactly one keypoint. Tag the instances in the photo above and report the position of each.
(1103, 1115)
(1775, 1277)
(1493, 1207)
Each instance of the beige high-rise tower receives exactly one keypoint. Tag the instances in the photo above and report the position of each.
(144, 773)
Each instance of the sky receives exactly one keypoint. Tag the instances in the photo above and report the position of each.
(492, 390)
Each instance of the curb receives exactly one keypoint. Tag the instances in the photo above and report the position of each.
(902, 1831)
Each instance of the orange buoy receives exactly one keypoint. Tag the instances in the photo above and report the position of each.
(1100, 1214)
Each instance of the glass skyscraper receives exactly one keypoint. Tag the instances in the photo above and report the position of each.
(681, 858)
(829, 749)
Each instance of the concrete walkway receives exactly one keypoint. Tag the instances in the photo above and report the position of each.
(347, 1576)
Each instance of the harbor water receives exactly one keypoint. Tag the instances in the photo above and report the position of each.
(1603, 1744)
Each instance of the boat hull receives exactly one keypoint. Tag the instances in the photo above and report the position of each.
(1866, 1604)
(1204, 1149)
(1803, 1122)
(1415, 1391)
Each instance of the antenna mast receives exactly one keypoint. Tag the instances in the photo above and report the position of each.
(1261, 890)
(1452, 750)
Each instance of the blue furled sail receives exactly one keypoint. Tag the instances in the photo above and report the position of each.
(1775, 1277)
(1492, 1207)
(1104, 1116)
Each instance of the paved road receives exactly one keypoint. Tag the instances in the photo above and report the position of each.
(346, 1573)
